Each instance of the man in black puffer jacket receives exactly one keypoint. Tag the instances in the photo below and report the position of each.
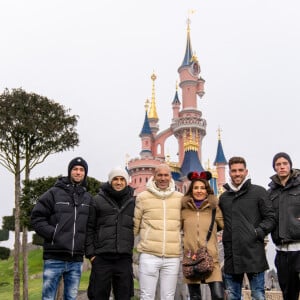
(110, 239)
(285, 196)
(60, 217)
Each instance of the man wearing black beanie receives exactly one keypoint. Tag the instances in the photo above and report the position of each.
(285, 195)
(60, 217)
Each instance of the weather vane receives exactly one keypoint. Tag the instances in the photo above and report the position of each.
(190, 12)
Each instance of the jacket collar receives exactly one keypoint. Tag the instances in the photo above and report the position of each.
(242, 187)
(152, 188)
(294, 180)
(188, 202)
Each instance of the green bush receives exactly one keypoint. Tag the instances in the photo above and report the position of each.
(37, 240)
(4, 253)
(4, 235)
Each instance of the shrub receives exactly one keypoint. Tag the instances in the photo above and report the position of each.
(4, 253)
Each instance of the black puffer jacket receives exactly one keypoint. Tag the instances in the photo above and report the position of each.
(110, 224)
(248, 218)
(286, 203)
(60, 217)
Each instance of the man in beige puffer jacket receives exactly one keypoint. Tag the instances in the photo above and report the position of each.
(157, 222)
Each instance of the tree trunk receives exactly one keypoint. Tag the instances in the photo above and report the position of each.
(25, 262)
(17, 234)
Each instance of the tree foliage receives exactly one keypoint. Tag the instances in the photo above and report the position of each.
(34, 127)
(8, 223)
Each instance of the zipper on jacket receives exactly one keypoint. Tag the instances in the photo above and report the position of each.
(164, 235)
(52, 243)
(74, 228)
(198, 229)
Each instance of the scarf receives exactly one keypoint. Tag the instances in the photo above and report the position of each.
(152, 188)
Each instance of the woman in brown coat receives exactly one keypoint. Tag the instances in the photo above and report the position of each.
(197, 206)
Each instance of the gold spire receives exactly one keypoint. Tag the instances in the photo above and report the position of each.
(152, 112)
(219, 133)
(190, 12)
(213, 171)
(190, 142)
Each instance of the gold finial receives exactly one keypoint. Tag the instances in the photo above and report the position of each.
(207, 165)
(194, 57)
(153, 76)
(147, 104)
(127, 156)
(190, 12)
(177, 85)
(219, 133)
(168, 158)
(152, 112)
(191, 142)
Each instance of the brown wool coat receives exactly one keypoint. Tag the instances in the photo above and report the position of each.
(196, 221)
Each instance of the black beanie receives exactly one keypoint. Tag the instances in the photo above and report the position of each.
(284, 155)
(77, 161)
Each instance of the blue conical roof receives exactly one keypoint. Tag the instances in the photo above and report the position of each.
(146, 130)
(176, 99)
(188, 50)
(220, 157)
(191, 162)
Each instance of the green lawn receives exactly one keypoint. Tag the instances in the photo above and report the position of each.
(35, 266)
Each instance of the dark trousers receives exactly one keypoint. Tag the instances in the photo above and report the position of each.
(107, 273)
(288, 272)
(216, 290)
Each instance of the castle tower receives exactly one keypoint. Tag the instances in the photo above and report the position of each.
(192, 86)
(187, 126)
(146, 136)
(220, 163)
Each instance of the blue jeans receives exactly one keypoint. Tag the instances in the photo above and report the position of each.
(53, 271)
(233, 285)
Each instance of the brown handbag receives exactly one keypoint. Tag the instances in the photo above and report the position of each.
(199, 264)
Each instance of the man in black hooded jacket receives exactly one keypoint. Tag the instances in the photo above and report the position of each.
(60, 217)
(110, 239)
(285, 196)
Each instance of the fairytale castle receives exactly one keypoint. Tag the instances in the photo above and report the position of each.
(187, 126)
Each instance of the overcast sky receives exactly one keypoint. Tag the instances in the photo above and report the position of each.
(96, 58)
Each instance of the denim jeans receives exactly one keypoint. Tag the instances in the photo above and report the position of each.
(151, 268)
(233, 285)
(53, 271)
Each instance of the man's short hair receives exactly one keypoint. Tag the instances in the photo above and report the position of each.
(237, 160)
(162, 166)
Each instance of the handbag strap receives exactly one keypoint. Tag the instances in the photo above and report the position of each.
(211, 225)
